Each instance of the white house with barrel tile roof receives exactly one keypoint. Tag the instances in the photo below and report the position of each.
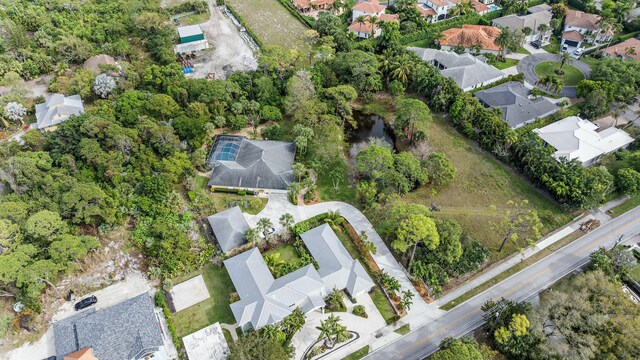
(578, 139)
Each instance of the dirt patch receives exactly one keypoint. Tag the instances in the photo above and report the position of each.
(228, 51)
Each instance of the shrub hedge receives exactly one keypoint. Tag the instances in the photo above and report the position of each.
(161, 302)
(188, 6)
(308, 21)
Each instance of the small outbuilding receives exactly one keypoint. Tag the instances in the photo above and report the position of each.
(191, 39)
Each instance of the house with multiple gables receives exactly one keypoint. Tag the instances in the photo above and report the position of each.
(469, 37)
(367, 18)
(581, 27)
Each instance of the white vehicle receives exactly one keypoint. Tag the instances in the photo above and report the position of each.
(578, 52)
(565, 47)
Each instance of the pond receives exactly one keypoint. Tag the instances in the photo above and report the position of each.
(368, 126)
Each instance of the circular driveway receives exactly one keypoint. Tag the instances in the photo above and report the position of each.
(527, 67)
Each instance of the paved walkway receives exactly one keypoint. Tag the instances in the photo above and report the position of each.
(528, 64)
(231, 329)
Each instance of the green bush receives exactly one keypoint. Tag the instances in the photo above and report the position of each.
(189, 6)
(161, 302)
(359, 310)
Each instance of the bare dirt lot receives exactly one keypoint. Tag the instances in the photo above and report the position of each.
(228, 53)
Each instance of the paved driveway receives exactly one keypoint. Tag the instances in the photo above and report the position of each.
(528, 64)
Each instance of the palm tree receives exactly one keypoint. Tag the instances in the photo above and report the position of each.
(555, 84)
(543, 28)
(336, 176)
(264, 225)
(286, 220)
(464, 7)
(374, 21)
(438, 36)
(252, 236)
(564, 58)
(504, 41)
(407, 299)
(630, 51)
(361, 20)
(402, 68)
(273, 262)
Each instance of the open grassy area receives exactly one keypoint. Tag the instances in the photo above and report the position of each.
(507, 63)
(481, 181)
(403, 330)
(626, 206)
(522, 50)
(359, 354)
(571, 77)
(214, 309)
(383, 305)
(553, 46)
(514, 269)
(194, 19)
(272, 22)
(635, 273)
(288, 254)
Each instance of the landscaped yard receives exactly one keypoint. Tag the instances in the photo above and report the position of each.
(214, 309)
(553, 46)
(507, 63)
(359, 354)
(287, 253)
(223, 200)
(522, 50)
(272, 22)
(481, 181)
(571, 77)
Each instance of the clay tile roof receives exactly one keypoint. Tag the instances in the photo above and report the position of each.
(369, 7)
(582, 20)
(470, 35)
(390, 17)
(438, 2)
(573, 35)
(480, 7)
(621, 49)
(425, 10)
(363, 27)
(302, 3)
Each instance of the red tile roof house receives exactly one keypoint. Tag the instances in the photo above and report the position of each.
(312, 5)
(581, 27)
(623, 50)
(471, 35)
(363, 13)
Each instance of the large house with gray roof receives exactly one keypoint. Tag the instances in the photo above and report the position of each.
(518, 107)
(229, 227)
(537, 15)
(265, 300)
(240, 163)
(129, 330)
(56, 109)
(468, 71)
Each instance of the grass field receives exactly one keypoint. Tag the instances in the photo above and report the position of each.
(571, 77)
(553, 46)
(507, 63)
(635, 273)
(214, 309)
(272, 22)
(359, 354)
(481, 181)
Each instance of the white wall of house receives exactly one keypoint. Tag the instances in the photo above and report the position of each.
(357, 14)
(365, 35)
(440, 10)
(468, 50)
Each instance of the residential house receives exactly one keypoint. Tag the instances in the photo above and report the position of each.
(444, 8)
(628, 49)
(466, 70)
(470, 36)
(581, 27)
(530, 21)
(229, 227)
(518, 107)
(312, 5)
(363, 14)
(265, 300)
(240, 163)
(428, 14)
(129, 330)
(578, 139)
(56, 109)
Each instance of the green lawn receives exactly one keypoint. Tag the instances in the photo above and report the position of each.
(424, 43)
(403, 330)
(214, 309)
(635, 273)
(288, 254)
(358, 354)
(571, 77)
(201, 182)
(553, 46)
(481, 181)
(626, 206)
(256, 204)
(522, 50)
(383, 305)
(272, 22)
(194, 19)
(507, 63)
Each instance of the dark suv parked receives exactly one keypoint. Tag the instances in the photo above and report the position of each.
(85, 303)
(536, 44)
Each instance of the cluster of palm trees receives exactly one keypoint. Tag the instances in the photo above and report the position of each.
(332, 331)
(372, 20)
(553, 82)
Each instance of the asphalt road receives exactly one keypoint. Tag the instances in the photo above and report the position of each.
(528, 64)
(521, 286)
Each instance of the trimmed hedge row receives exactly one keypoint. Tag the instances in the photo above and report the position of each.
(308, 21)
(517, 77)
(161, 301)
(245, 25)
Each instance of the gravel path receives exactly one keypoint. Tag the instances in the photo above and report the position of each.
(528, 64)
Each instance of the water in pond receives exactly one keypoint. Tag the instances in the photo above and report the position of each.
(368, 126)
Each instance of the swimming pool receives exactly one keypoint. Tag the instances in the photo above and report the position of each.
(494, 7)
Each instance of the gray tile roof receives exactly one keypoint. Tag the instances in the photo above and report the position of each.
(259, 164)
(532, 21)
(127, 330)
(229, 227)
(56, 109)
(336, 267)
(265, 300)
(513, 99)
(466, 70)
